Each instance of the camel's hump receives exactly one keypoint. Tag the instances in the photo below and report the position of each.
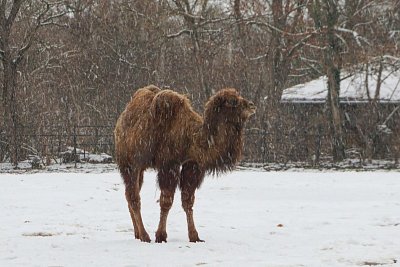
(167, 104)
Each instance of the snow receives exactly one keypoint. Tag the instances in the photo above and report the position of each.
(84, 155)
(247, 218)
(352, 88)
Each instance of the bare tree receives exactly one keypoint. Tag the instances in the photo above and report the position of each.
(325, 15)
(82, 68)
(348, 30)
(198, 19)
(14, 44)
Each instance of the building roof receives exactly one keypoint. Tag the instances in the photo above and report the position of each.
(353, 88)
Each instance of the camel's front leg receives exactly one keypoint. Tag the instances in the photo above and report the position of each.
(191, 178)
(167, 181)
(187, 204)
(166, 200)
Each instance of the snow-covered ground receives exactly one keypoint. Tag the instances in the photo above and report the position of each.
(247, 218)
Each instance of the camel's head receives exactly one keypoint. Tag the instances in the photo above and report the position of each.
(229, 104)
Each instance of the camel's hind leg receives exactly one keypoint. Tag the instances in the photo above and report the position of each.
(132, 194)
(135, 227)
(191, 178)
(167, 181)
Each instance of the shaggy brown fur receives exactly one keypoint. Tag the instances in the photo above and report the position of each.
(159, 129)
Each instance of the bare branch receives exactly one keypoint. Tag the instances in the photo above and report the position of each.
(185, 11)
(310, 60)
(174, 35)
(121, 58)
(315, 46)
(391, 115)
(23, 49)
(396, 59)
(50, 19)
(342, 39)
(40, 22)
(258, 57)
(285, 33)
(356, 36)
(13, 13)
(50, 22)
(297, 75)
(310, 63)
(300, 44)
(41, 15)
(211, 21)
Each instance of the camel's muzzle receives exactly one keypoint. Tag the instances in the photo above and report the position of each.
(252, 108)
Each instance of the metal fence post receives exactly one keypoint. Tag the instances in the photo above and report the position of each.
(264, 144)
(317, 145)
(75, 145)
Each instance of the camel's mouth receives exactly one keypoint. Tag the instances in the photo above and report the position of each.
(252, 109)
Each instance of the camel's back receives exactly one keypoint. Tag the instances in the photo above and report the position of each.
(155, 128)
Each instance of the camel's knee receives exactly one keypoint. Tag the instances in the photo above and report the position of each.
(187, 201)
(133, 199)
(135, 204)
(166, 201)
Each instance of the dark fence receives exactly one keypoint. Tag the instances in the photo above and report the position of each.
(315, 147)
(61, 144)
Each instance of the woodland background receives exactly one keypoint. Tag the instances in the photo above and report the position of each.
(67, 65)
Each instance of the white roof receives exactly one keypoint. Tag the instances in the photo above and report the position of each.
(353, 89)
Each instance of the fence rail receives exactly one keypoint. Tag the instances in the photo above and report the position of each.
(260, 146)
(55, 141)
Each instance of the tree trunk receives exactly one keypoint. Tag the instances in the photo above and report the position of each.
(10, 106)
(276, 77)
(275, 63)
(333, 63)
(334, 113)
(200, 65)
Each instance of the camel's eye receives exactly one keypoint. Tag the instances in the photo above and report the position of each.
(232, 102)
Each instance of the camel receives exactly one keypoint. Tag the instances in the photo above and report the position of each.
(160, 130)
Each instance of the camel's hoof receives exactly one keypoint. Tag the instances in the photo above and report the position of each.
(145, 238)
(194, 237)
(161, 237)
(196, 240)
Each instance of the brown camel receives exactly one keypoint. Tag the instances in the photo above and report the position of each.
(159, 129)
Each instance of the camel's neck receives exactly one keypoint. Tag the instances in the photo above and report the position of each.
(222, 145)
